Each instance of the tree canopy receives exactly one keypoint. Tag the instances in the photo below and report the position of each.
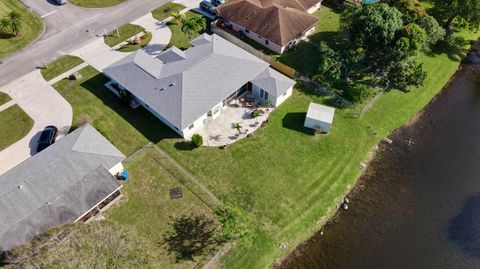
(467, 11)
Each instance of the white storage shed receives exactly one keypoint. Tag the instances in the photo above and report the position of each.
(319, 117)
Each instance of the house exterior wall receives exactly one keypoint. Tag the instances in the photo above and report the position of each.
(314, 124)
(202, 120)
(276, 100)
(258, 38)
(280, 99)
(116, 169)
(314, 7)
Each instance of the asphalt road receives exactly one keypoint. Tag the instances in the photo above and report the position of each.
(67, 28)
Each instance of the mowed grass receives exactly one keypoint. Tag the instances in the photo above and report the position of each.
(4, 98)
(126, 31)
(32, 26)
(166, 10)
(96, 3)
(144, 40)
(287, 180)
(14, 125)
(60, 66)
(327, 29)
(148, 209)
(181, 40)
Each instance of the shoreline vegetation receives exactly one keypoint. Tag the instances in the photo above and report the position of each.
(354, 190)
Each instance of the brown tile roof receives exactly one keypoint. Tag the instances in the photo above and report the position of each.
(279, 21)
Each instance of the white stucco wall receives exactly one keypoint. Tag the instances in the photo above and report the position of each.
(314, 124)
(116, 169)
(280, 99)
(201, 121)
(314, 8)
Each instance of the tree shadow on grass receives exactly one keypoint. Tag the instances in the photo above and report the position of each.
(192, 236)
(456, 50)
(6, 35)
(141, 119)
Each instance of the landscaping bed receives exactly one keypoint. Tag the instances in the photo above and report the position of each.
(130, 46)
(126, 31)
(96, 3)
(179, 38)
(60, 66)
(166, 10)
(15, 125)
(31, 28)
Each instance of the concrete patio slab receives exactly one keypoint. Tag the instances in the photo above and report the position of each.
(221, 131)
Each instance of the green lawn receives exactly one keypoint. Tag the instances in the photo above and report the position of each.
(14, 125)
(169, 225)
(144, 40)
(179, 38)
(286, 180)
(164, 11)
(96, 3)
(327, 29)
(32, 26)
(147, 207)
(126, 31)
(60, 66)
(4, 98)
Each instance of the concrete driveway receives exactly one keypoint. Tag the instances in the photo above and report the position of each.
(44, 105)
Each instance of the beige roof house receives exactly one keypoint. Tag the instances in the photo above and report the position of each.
(278, 21)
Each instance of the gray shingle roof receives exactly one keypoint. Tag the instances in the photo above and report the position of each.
(182, 90)
(273, 82)
(56, 186)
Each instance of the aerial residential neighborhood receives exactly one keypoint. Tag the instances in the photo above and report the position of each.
(239, 134)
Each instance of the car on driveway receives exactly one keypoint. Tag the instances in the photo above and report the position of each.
(48, 136)
(60, 2)
(218, 2)
(208, 6)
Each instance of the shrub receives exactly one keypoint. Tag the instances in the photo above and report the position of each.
(234, 223)
(197, 140)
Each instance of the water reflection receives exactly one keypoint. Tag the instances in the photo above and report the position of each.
(464, 229)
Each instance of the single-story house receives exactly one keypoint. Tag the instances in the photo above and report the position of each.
(69, 181)
(319, 117)
(187, 89)
(276, 24)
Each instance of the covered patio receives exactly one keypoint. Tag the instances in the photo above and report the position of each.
(235, 122)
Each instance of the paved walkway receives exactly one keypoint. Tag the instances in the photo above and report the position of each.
(44, 105)
(100, 55)
(161, 34)
(7, 105)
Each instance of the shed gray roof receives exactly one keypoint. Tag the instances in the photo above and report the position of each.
(320, 112)
(183, 85)
(56, 186)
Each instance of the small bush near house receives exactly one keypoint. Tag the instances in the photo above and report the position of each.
(197, 140)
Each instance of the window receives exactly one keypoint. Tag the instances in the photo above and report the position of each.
(260, 37)
(190, 127)
(247, 31)
(266, 42)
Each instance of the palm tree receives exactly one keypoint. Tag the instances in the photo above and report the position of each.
(4, 24)
(193, 25)
(177, 17)
(15, 22)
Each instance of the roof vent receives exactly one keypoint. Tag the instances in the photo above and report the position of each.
(171, 85)
(19, 186)
(161, 89)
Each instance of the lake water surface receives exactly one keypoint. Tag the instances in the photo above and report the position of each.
(418, 203)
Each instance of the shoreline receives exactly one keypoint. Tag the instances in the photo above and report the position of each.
(354, 191)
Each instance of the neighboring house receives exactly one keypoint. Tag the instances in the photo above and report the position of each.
(275, 24)
(69, 181)
(187, 89)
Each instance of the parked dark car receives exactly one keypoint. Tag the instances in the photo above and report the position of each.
(48, 136)
(207, 6)
(60, 2)
(218, 2)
